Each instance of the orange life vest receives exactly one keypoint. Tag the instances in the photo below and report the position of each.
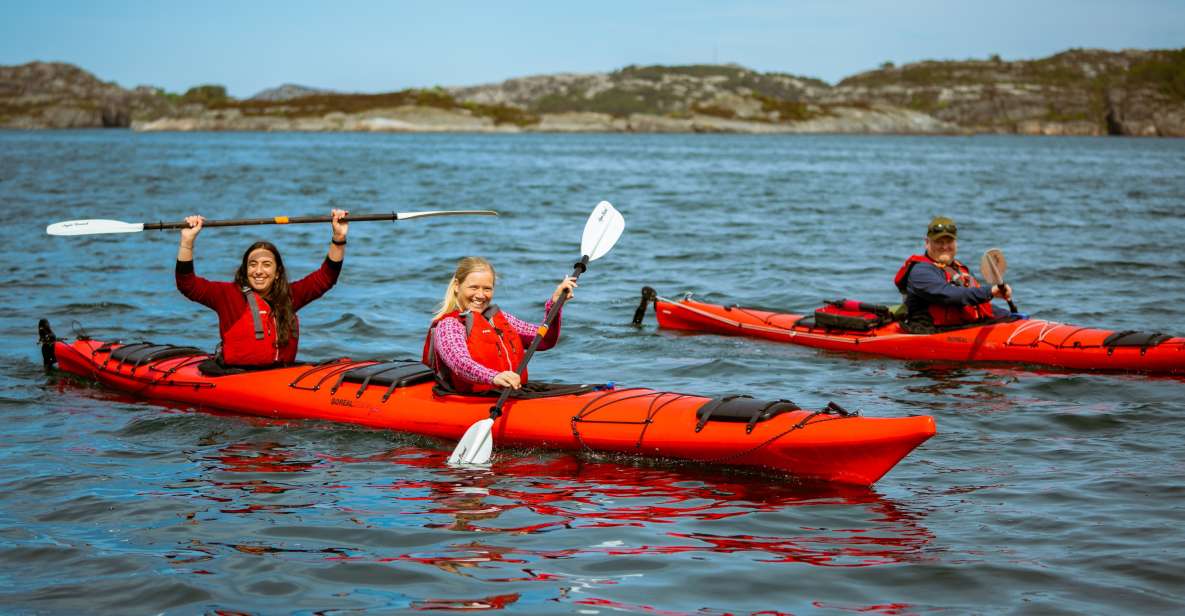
(945, 315)
(251, 339)
(492, 342)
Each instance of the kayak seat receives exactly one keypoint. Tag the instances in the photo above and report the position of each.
(214, 367)
(741, 408)
(1133, 338)
(392, 374)
(530, 390)
(140, 353)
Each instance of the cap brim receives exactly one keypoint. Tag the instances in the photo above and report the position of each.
(943, 234)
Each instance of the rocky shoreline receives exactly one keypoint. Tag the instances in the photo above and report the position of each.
(1078, 92)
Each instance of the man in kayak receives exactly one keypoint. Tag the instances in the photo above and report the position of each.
(257, 319)
(472, 345)
(939, 291)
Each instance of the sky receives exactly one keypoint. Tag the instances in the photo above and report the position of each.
(382, 46)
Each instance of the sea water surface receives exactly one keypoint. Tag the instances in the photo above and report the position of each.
(1043, 492)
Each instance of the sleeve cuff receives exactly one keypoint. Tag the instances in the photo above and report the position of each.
(184, 267)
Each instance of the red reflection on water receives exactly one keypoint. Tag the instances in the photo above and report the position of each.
(883, 608)
(495, 602)
(571, 493)
(267, 457)
(252, 457)
(631, 608)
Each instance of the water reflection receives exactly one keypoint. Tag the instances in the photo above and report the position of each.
(568, 493)
(823, 525)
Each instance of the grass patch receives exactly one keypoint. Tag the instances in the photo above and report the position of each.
(1165, 71)
(787, 110)
(318, 105)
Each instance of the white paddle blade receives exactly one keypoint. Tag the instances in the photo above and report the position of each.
(93, 227)
(476, 445)
(408, 215)
(993, 266)
(601, 231)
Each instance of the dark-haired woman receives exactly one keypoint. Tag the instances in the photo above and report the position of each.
(257, 312)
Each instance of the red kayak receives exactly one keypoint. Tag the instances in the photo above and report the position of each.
(872, 330)
(831, 444)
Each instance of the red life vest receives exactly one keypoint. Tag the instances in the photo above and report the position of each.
(946, 314)
(251, 339)
(492, 342)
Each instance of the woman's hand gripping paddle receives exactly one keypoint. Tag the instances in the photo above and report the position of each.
(604, 226)
(993, 266)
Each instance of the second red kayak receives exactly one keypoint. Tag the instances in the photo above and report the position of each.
(1022, 341)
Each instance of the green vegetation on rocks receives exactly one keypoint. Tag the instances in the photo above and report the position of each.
(1164, 70)
(325, 103)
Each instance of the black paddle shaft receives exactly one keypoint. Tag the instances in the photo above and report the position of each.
(276, 220)
(577, 270)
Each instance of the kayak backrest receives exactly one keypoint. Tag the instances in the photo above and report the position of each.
(741, 408)
(392, 374)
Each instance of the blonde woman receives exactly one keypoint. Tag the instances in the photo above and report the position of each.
(472, 345)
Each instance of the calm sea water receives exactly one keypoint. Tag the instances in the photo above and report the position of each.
(1043, 492)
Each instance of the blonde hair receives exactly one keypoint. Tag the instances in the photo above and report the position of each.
(466, 266)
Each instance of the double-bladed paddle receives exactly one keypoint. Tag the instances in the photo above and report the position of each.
(99, 226)
(604, 226)
(993, 266)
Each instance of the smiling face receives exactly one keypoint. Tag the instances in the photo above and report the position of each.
(942, 249)
(261, 270)
(476, 291)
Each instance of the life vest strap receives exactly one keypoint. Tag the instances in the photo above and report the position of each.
(253, 308)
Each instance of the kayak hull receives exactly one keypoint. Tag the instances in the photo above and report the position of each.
(1022, 341)
(853, 450)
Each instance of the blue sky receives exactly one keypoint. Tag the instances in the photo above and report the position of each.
(371, 46)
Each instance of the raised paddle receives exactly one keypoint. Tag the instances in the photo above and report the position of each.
(96, 227)
(993, 266)
(604, 226)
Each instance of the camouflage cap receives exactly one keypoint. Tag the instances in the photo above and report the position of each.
(941, 226)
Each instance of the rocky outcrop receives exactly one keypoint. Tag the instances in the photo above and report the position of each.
(403, 119)
(1078, 92)
(287, 92)
(56, 95)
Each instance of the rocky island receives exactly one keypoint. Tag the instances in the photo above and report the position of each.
(1076, 92)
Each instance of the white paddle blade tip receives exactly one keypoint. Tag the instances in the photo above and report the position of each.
(410, 215)
(476, 446)
(93, 227)
(602, 230)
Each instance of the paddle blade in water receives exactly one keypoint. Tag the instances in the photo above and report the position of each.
(476, 445)
(604, 226)
(993, 266)
(93, 227)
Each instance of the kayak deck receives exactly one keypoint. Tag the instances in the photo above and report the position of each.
(828, 445)
(1022, 341)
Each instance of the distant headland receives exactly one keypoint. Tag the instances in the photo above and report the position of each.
(1076, 92)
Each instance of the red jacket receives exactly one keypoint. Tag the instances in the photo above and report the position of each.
(492, 342)
(236, 325)
(945, 315)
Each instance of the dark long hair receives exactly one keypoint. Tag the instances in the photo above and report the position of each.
(279, 296)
